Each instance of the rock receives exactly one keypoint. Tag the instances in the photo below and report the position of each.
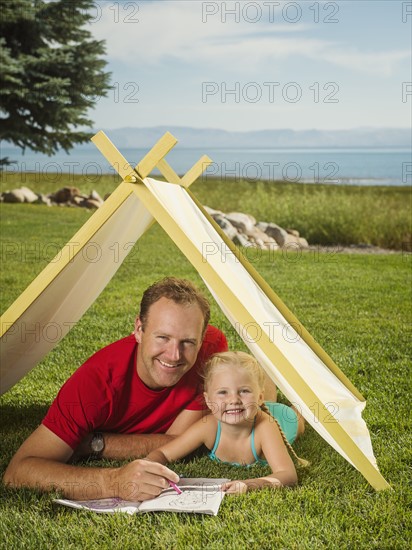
(29, 195)
(78, 200)
(283, 238)
(226, 226)
(243, 222)
(261, 238)
(241, 240)
(257, 243)
(15, 195)
(65, 194)
(94, 195)
(91, 203)
(23, 194)
(275, 231)
(262, 226)
(293, 242)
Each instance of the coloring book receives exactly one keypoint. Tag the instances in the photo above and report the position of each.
(199, 496)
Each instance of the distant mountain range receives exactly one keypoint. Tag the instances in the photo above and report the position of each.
(215, 138)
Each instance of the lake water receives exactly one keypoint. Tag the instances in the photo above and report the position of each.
(356, 166)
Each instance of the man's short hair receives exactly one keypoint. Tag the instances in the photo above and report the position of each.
(180, 291)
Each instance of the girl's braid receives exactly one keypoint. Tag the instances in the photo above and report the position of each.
(301, 461)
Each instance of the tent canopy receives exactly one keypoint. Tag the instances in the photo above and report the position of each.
(287, 352)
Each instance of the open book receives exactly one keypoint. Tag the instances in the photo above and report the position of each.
(199, 496)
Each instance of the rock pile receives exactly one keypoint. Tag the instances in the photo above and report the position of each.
(67, 196)
(241, 228)
(244, 230)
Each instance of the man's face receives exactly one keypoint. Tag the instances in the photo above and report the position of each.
(169, 343)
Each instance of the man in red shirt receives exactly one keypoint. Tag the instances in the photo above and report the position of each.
(126, 400)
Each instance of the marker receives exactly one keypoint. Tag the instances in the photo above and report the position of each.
(175, 487)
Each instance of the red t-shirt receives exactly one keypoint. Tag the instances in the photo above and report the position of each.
(106, 394)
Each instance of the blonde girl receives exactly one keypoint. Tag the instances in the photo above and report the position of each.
(240, 431)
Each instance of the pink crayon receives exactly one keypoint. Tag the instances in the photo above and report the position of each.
(175, 487)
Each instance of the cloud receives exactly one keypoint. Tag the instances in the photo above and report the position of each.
(160, 32)
(176, 29)
(379, 63)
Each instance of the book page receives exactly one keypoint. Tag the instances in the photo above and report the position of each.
(199, 495)
(202, 496)
(102, 506)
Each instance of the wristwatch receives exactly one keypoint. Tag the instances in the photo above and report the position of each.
(97, 445)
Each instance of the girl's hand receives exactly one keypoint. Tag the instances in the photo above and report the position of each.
(234, 487)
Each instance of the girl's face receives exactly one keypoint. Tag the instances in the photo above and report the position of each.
(233, 396)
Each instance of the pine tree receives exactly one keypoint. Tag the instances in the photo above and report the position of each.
(51, 73)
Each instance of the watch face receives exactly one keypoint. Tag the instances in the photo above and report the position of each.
(97, 443)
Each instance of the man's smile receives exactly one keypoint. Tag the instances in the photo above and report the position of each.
(169, 365)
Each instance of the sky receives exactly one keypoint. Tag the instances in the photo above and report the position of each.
(244, 65)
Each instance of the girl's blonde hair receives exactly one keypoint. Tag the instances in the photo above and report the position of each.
(251, 366)
(237, 359)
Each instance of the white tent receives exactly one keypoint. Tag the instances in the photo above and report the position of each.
(45, 312)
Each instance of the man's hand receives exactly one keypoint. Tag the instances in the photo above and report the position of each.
(141, 480)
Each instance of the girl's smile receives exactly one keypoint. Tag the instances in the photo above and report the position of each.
(233, 396)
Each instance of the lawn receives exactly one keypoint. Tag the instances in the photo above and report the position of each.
(357, 306)
(323, 214)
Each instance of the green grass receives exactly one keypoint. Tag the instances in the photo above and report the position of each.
(356, 306)
(323, 214)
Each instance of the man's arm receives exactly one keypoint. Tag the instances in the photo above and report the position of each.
(124, 446)
(41, 463)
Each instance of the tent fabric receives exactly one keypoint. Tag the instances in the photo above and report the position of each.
(93, 258)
